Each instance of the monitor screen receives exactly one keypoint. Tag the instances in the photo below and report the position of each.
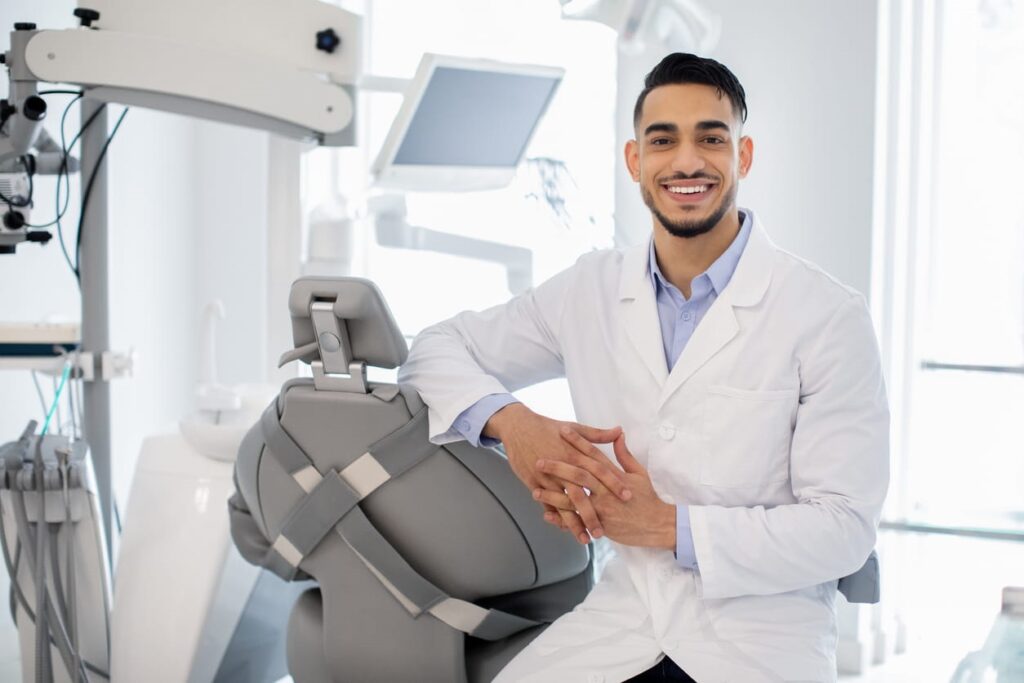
(474, 118)
(465, 124)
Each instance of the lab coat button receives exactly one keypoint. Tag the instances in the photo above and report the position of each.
(666, 432)
(671, 645)
(595, 678)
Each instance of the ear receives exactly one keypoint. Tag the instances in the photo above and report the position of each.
(746, 155)
(632, 153)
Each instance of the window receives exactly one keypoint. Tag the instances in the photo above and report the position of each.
(965, 432)
(948, 293)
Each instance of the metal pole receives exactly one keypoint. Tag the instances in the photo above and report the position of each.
(95, 273)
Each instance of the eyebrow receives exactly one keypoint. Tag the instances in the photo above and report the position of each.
(712, 125)
(665, 127)
(661, 128)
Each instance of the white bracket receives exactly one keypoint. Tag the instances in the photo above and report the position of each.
(85, 366)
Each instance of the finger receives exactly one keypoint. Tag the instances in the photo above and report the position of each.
(534, 482)
(625, 458)
(585, 509)
(595, 434)
(547, 482)
(575, 525)
(554, 519)
(568, 473)
(597, 465)
(558, 501)
(547, 508)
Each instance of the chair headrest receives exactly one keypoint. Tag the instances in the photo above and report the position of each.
(361, 311)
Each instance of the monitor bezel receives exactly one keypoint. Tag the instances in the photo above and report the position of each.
(409, 177)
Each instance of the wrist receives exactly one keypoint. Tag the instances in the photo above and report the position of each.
(497, 425)
(669, 530)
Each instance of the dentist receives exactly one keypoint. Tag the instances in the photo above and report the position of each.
(750, 462)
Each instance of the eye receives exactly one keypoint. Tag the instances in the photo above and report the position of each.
(659, 142)
(714, 140)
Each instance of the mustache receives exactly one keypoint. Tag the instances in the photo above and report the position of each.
(682, 176)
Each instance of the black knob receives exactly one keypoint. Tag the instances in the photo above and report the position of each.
(13, 220)
(24, 26)
(34, 108)
(40, 236)
(327, 40)
(87, 16)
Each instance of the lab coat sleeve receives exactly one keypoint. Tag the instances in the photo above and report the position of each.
(471, 422)
(455, 363)
(839, 470)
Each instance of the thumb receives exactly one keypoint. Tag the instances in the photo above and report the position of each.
(625, 458)
(597, 435)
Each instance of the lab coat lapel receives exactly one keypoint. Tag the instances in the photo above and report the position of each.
(639, 310)
(719, 326)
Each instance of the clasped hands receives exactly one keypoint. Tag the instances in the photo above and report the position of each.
(579, 487)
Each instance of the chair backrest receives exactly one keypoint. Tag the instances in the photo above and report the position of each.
(340, 482)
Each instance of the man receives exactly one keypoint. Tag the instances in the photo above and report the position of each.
(752, 441)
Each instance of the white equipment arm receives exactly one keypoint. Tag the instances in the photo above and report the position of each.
(288, 68)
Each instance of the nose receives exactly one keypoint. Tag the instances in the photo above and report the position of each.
(687, 158)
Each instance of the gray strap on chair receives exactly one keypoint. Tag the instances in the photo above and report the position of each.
(308, 522)
(415, 593)
(329, 498)
(333, 503)
(288, 454)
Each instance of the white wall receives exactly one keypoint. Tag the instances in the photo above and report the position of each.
(231, 176)
(153, 278)
(188, 220)
(808, 68)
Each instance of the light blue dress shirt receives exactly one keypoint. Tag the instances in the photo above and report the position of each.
(679, 318)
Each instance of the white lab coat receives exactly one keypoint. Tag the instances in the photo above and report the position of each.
(772, 426)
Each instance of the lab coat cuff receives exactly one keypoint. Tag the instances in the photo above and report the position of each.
(471, 421)
(686, 555)
(442, 417)
(703, 553)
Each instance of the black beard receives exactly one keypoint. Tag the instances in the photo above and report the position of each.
(689, 229)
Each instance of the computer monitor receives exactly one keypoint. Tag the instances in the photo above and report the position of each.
(465, 124)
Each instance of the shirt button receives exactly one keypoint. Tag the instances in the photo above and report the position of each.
(666, 431)
(687, 316)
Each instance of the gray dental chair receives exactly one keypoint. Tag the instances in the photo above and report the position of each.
(433, 563)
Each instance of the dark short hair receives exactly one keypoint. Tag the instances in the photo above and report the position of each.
(681, 67)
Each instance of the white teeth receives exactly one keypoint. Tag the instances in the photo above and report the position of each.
(688, 190)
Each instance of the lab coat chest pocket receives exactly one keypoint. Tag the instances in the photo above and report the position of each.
(747, 434)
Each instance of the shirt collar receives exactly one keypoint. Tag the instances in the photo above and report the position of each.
(719, 272)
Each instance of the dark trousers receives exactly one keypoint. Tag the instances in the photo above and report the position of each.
(664, 671)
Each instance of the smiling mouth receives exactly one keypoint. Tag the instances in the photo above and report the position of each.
(690, 193)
